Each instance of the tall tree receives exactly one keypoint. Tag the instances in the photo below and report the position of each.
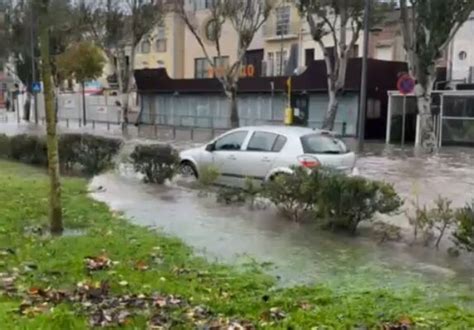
(246, 18)
(335, 26)
(118, 26)
(428, 26)
(82, 61)
(55, 209)
(22, 37)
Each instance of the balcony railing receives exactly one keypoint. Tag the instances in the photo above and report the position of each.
(274, 31)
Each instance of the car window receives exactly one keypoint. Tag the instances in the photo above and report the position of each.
(232, 141)
(279, 143)
(262, 141)
(322, 144)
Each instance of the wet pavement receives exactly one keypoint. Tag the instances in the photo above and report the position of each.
(302, 253)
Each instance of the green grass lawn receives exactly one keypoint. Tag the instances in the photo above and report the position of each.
(147, 278)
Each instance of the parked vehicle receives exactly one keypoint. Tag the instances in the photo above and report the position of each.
(263, 152)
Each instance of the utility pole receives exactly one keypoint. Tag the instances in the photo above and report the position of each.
(363, 84)
(33, 63)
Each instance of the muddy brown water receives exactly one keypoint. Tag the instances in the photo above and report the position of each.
(302, 253)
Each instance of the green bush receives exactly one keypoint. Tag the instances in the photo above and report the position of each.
(91, 154)
(29, 149)
(4, 146)
(208, 176)
(443, 217)
(464, 233)
(346, 201)
(94, 154)
(230, 196)
(421, 221)
(293, 194)
(157, 162)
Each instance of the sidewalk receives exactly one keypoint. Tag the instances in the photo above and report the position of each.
(10, 125)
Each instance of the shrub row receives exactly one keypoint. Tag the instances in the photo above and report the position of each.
(88, 153)
(336, 200)
(157, 162)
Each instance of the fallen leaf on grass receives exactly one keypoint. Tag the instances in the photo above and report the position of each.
(274, 314)
(7, 284)
(97, 263)
(404, 323)
(141, 266)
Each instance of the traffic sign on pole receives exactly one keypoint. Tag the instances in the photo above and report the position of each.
(406, 84)
(36, 87)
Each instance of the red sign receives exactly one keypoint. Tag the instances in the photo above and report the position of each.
(406, 84)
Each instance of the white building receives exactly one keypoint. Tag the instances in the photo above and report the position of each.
(461, 54)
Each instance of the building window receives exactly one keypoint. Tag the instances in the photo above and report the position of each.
(462, 55)
(201, 68)
(220, 66)
(373, 109)
(212, 32)
(146, 47)
(276, 63)
(384, 52)
(161, 40)
(282, 20)
(280, 63)
(204, 4)
(161, 45)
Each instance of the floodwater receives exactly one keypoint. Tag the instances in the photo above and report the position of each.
(302, 253)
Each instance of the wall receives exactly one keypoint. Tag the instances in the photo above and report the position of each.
(212, 110)
(459, 66)
(172, 58)
(228, 42)
(298, 34)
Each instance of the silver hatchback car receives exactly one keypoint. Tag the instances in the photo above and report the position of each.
(262, 152)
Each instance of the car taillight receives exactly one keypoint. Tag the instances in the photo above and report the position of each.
(309, 162)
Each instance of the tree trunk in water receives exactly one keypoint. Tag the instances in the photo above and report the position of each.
(234, 109)
(55, 210)
(427, 133)
(331, 112)
(84, 118)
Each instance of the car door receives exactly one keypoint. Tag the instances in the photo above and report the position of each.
(225, 156)
(259, 155)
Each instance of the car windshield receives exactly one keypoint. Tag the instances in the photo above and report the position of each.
(322, 144)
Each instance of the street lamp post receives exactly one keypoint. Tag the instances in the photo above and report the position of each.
(33, 64)
(363, 84)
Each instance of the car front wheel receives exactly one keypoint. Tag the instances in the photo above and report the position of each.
(187, 170)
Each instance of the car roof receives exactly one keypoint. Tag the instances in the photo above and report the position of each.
(285, 130)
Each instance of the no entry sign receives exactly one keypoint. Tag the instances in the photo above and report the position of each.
(406, 84)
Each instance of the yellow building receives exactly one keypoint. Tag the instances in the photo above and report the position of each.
(164, 47)
(284, 37)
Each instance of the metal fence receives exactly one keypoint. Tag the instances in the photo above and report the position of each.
(99, 109)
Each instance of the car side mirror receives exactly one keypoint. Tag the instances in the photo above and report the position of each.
(210, 147)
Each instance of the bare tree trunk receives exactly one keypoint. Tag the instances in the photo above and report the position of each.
(55, 211)
(84, 119)
(128, 84)
(333, 105)
(427, 133)
(234, 109)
